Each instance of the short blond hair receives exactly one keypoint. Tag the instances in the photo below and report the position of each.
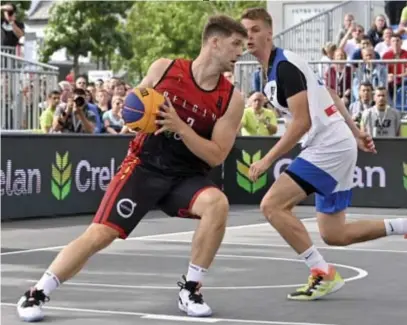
(258, 14)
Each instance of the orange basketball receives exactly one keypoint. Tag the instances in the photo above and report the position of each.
(140, 109)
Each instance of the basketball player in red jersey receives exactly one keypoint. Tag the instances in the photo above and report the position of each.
(197, 129)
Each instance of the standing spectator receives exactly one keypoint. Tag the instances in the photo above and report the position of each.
(375, 32)
(339, 77)
(381, 120)
(353, 44)
(397, 72)
(47, 115)
(92, 89)
(364, 101)
(81, 82)
(256, 119)
(328, 52)
(369, 72)
(11, 29)
(77, 117)
(119, 89)
(393, 10)
(384, 46)
(347, 22)
(112, 119)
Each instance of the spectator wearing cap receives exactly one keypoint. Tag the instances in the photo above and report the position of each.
(11, 29)
(375, 32)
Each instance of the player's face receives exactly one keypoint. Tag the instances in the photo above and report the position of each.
(228, 51)
(259, 34)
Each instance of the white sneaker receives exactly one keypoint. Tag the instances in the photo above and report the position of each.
(29, 307)
(191, 301)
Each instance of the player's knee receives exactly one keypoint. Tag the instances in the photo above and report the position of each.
(336, 239)
(214, 204)
(99, 236)
(270, 207)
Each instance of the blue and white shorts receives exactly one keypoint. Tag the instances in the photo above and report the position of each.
(329, 169)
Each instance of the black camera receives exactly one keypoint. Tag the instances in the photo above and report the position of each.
(79, 101)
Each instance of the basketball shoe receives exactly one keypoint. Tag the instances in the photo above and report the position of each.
(190, 300)
(29, 307)
(319, 285)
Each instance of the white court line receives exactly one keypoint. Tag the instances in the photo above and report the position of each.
(162, 317)
(50, 248)
(335, 248)
(361, 273)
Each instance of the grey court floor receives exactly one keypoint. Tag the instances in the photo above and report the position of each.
(134, 281)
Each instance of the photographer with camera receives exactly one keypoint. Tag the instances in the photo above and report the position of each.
(77, 116)
(11, 29)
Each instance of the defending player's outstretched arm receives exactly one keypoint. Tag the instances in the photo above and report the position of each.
(215, 151)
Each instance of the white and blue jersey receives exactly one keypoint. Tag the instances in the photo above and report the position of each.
(329, 154)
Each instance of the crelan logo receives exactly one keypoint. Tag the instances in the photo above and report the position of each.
(61, 177)
(243, 173)
(405, 175)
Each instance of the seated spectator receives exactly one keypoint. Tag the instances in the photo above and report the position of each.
(256, 120)
(365, 43)
(384, 46)
(375, 32)
(397, 72)
(112, 119)
(347, 22)
(327, 55)
(364, 101)
(353, 44)
(381, 120)
(77, 117)
(11, 29)
(339, 77)
(47, 115)
(368, 72)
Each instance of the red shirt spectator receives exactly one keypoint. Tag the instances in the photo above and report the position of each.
(396, 71)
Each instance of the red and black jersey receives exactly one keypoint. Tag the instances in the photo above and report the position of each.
(197, 107)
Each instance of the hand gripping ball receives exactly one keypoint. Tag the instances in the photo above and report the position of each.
(140, 109)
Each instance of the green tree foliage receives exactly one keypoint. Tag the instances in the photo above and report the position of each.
(82, 27)
(170, 29)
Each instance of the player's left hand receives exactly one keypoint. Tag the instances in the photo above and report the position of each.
(258, 168)
(168, 119)
(366, 143)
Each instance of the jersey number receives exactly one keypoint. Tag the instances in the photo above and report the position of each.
(190, 122)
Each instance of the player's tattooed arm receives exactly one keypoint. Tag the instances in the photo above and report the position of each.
(215, 151)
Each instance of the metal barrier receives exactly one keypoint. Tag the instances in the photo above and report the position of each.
(307, 37)
(334, 72)
(24, 87)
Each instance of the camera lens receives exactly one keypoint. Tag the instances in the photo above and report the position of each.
(79, 101)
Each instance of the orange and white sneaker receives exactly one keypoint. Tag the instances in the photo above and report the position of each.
(190, 299)
(319, 285)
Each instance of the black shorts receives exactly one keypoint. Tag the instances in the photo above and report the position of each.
(135, 190)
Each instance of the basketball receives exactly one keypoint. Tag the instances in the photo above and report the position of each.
(140, 109)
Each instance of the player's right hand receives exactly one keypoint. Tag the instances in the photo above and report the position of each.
(258, 168)
(366, 143)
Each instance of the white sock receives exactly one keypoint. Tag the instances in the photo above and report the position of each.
(314, 259)
(195, 273)
(396, 226)
(49, 282)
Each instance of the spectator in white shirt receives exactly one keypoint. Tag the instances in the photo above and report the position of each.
(353, 44)
(384, 46)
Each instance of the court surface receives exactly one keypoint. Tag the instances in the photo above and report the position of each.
(134, 281)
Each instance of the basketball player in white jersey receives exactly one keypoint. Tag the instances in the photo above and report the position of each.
(329, 137)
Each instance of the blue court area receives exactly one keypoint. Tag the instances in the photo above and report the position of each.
(134, 281)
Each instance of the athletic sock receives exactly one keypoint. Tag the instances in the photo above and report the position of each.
(396, 226)
(49, 282)
(314, 259)
(195, 273)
